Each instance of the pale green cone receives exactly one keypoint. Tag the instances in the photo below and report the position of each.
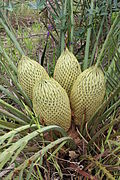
(87, 94)
(51, 103)
(67, 70)
(29, 72)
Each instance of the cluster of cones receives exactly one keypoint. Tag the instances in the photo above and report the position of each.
(70, 89)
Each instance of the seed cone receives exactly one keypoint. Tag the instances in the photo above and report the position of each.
(67, 70)
(87, 94)
(29, 72)
(51, 103)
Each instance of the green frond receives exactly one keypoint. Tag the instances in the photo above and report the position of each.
(101, 168)
(104, 128)
(14, 111)
(40, 154)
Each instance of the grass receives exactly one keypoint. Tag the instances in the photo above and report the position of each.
(33, 151)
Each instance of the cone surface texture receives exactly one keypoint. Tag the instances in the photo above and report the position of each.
(67, 70)
(87, 94)
(51, 103)
(29, 72)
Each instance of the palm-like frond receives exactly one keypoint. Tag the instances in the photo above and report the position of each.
(11, 150)
(39, 155)
(21, 143)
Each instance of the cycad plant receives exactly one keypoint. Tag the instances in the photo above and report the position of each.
(29, 150)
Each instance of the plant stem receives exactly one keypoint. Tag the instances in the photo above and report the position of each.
(12, 37)
(71, 25)
(85, 65)
(10, 62)
(8, 125)
(96, 43)
(64, 10)
(14, 111)
(117, 19)
(10, 95)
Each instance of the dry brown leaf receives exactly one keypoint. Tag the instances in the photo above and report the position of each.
(73, 155)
